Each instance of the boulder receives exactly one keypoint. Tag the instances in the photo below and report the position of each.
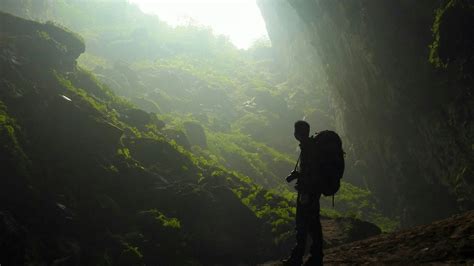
(54, 45)
(158, 154)
(178, 136)
(196, 134)
(344, 230)
(146, 104)
(137, 118)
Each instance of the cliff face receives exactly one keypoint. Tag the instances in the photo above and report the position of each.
(406, 121)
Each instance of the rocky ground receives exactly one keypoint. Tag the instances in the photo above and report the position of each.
(449, 241)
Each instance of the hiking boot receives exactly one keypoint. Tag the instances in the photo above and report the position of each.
(313, 261)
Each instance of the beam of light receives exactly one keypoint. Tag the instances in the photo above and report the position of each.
(240, 20)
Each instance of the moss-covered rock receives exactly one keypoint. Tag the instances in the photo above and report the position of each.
(54, 46)
(195, 133)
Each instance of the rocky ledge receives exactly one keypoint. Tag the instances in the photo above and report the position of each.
(449, 241)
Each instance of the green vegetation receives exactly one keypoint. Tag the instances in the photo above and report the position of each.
(132, 142)
(163, 220)
(9, 131)
(112, 162)
(449, 44)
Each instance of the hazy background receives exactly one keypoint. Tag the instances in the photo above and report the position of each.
(241, 20)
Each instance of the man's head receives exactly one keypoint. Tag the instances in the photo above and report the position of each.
(301, 130)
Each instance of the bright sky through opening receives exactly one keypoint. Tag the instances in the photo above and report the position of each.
(239, 19)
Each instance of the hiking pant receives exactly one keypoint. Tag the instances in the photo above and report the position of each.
(308, 223)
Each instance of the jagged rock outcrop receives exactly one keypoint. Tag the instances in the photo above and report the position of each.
(408, 124)
(21, 34)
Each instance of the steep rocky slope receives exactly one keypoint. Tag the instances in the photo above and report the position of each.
(80, 185)
(449, 241)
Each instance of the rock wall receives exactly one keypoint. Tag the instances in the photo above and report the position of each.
(407, 125)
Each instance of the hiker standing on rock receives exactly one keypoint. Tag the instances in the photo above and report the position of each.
(321, 165)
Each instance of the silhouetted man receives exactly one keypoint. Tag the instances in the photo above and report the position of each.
(307, 205)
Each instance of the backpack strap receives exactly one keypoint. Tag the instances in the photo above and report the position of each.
(297, 162)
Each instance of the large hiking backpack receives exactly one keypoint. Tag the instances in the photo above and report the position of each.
(327, 162)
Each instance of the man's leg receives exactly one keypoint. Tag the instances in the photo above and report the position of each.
(316, 250)
(296, 257)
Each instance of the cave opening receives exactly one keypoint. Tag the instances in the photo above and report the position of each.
(240, 21)
(159, 132)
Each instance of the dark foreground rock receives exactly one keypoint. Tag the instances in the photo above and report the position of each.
(449, 241)
(345, 230)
